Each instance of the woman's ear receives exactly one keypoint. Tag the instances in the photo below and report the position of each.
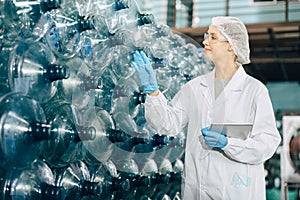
(230, 49)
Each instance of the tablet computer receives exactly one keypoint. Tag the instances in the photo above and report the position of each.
(233, 130)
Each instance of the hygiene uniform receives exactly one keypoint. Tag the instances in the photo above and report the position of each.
(237, 171)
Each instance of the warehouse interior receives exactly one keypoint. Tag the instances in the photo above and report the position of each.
(72, 118)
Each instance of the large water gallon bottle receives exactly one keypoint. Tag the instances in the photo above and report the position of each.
(31, 69)
(177, 148)
(90, 38)
(148, 172)
(35, 182)
(76, 180)
(100, 149)
(128, 169)
(108, 179)
(127, 96)
(175, 179)
(23, 128)
(104, 50)
(107, 171)
(77, 89)
(27, 20)
(162, 178)
(123, 14)
(145, 36)
(67, 23)
(82, 182)
(67, 147)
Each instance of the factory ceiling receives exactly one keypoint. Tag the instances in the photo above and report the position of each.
(275, 50)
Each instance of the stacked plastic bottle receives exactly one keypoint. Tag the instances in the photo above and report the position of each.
(71, 109)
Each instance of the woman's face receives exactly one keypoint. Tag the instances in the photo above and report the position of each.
(215, 44)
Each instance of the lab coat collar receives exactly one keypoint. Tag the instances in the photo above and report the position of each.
(236, 83)
(238, 79)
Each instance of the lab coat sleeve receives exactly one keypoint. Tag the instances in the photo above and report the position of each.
(264, 138)
(166, 117)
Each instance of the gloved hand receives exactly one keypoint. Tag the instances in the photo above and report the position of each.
(145, 71)
(214, 139)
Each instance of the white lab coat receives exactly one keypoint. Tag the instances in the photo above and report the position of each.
(236, 171)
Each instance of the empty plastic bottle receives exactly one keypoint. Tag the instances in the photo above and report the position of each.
(34, 182)
(76, 181)
(27, 20)
(76, 90)
(32, 70)
(108, 179)
(67, 147)
(23, 128)
(80, 182)
(127, 97)
(148, 170)
(100, 149)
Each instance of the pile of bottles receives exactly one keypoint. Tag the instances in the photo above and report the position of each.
(71, 107)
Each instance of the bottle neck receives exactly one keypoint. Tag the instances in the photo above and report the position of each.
(90, 188)
(85, 133)
(48, 5)
(115, 135)
(41, 131)
(145, 19)
(121, 4)
(56, 72)
(139, 98)
(52, 192)
(85, 23)
(90, 83)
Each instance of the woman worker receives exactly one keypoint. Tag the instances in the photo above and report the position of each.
(217, 166)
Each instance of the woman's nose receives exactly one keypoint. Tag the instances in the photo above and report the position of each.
(205, 42)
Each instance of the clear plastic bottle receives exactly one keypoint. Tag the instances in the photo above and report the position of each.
(149, 170)
(124, 14)
(34, 182)
(108, 179)
(76, 180)
(67, 147)
(77, 89)
(162, 179)
(106, 50)
(31, 69)
(67, 23)
(26, 20)
(63, 37)
(175, 180)
(125, 20)
(100, 149)
(128, 169)
(127, 96)
(23, 128)
(82, 182)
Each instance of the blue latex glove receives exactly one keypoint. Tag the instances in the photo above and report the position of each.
(145, 71)
(214, 139)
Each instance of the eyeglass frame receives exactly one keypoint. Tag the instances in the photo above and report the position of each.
(207, 37)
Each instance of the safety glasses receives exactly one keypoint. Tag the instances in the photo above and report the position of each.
(212, 39)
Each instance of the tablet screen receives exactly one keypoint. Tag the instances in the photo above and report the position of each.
(233, 130)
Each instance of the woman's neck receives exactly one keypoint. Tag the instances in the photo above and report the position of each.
(225, 70)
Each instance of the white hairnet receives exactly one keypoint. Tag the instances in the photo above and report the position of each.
(236, 33)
